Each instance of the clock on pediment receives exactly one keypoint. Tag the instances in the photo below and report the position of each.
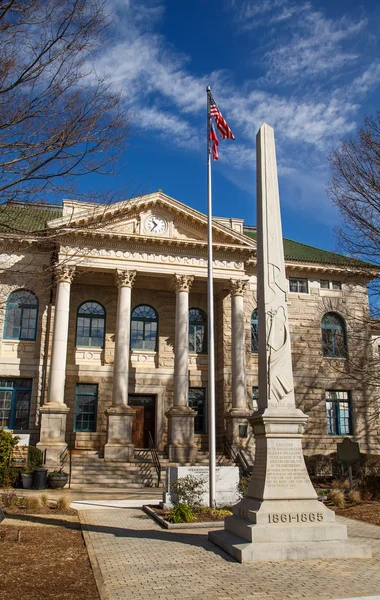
(155, 224)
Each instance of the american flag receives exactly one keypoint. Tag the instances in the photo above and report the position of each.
(221, 122)
(215, 142)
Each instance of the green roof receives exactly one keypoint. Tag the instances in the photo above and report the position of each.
(303, 252)
(17, 217)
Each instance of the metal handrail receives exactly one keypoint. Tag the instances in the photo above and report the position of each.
(237, 457)
(155, 459)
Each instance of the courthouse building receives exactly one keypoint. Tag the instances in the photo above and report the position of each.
(104, 331)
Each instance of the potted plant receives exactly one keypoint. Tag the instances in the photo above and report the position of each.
(27, 479)
(57, 479)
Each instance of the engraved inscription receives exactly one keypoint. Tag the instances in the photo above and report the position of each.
(295, 517)
(286, 466)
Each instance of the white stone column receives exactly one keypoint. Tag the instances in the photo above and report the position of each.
(239, 393)
(181, 445)
(236, 419)
(54, 412)
(119, 416)
(124, 281)
(181, 358)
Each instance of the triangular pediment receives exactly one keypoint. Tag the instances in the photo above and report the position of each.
(152, 217)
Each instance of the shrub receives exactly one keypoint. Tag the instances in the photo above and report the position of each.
(355, 497)
(7, 443)
(35, 457)
(181, 513)
(215, 512)
(189, 490)
(63, 503)
(9, 499)
(32, 503)
(45, 500)
(337, 498)
(243, 484)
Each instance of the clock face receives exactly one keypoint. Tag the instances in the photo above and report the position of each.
(155, 224)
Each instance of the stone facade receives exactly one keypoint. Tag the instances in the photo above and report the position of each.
(95, 244)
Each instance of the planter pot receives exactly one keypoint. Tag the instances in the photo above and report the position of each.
(58, 482)
(27, 480)
(40, 479)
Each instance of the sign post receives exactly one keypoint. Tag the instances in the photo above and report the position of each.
(348, 452)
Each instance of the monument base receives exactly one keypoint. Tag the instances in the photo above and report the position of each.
(285, 530)
(244, 551)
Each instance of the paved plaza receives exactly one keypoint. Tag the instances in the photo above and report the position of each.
(133, 558)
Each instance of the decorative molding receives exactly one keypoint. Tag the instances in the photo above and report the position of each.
(183, 283)
(125, 278)
(238, 287)
(64, 273)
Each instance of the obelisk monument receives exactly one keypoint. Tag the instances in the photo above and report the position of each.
(280, 517)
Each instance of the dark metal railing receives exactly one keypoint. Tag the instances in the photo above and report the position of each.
(237, 457)
(155, 459)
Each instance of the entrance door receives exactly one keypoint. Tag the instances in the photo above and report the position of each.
(144, 420)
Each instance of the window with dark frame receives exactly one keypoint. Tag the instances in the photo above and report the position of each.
(330, 285)
(255, 397)
(144, 328)
(86, 406)
(334, 341)
(21, 313)
(298, 285)
(338, 412)
(15, 397)
(197, 401)
(254, 332)
(90, 325)
(197, 331)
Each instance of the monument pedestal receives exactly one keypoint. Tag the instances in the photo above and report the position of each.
(119, 433)
(280, 517)
(52, 433)
(181, 447)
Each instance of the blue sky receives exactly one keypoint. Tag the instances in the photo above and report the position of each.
(309, 69)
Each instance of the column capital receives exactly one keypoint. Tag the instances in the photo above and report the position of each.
(64, 273)
(183, 283)
(125, 278)
(237, 287)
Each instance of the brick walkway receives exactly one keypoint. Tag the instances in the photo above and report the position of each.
(133, 558)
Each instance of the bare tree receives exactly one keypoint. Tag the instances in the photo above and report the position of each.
(355, 190)
(58, 119)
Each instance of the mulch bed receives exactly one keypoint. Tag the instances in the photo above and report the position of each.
(369, 512)
(43, 556)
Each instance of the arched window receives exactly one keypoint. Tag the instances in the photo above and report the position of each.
(334, 336)
(144, 326)
(197, 331)
(21, 316)
(90, 324)
(254, 332)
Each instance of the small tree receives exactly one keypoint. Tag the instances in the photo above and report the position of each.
(188, 490)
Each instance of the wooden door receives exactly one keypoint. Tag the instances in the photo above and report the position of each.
(138, 427)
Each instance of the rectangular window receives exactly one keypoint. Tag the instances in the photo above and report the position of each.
(298, 285)
(330, 285)
(15, 396)
(338, 412)
(255, 397)
(197, 401)
(86, 406)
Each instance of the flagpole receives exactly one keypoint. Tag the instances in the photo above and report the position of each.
(211, 343)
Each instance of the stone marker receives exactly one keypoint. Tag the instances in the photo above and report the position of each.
(227, 480)
(280, 517)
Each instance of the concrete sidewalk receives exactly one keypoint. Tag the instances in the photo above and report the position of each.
(133, 557)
